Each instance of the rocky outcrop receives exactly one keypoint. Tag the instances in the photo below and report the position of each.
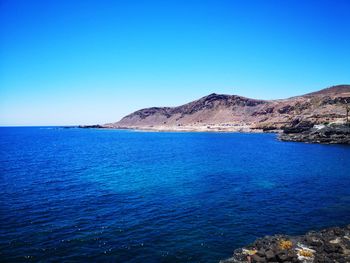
(217, 112)
(95, 126)
(326, 246)
(330, 134)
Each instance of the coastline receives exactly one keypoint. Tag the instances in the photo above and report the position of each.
(302, 132)
(327, 245)
(189, 128)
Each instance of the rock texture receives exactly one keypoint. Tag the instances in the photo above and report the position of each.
(330, 134)
(235, 113)
(326, 246)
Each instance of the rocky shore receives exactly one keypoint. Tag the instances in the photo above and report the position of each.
(329, 134)
(326, 246)
(95, 126)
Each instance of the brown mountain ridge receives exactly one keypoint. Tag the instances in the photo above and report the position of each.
(218, 112)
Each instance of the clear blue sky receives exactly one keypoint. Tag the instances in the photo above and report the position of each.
(84, 62)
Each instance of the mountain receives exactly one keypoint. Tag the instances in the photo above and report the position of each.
(217, 112)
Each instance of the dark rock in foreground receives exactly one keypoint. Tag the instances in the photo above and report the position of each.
(329, 245)
(331, 134)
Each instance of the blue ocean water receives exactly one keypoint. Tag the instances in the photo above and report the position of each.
(85, 195)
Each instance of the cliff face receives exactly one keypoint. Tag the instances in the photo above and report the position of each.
(231, 112)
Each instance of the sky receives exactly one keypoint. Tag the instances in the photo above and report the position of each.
(86, 62)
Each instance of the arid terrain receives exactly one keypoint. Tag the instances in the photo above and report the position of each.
(217, 112)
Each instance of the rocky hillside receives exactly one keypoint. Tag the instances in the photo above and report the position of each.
(236, 113)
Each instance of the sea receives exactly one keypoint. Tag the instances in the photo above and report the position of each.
(98, 195)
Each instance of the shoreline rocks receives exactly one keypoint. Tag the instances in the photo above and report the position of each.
(328, 134)
(328, 245)
(301, 131)
(95, 126)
